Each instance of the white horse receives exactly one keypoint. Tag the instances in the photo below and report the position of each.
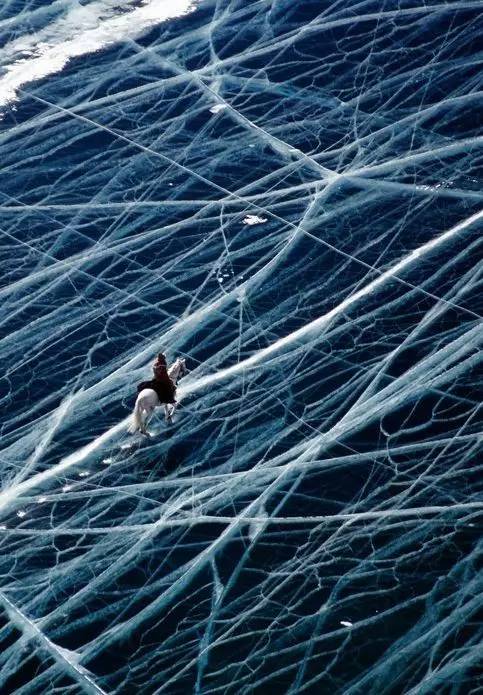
(148, 400)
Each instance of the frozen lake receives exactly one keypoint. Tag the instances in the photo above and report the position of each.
(287, 194)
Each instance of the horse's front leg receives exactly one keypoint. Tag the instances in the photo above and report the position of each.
(170, 408)
(167, 413)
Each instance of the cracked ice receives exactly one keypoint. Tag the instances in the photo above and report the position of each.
(287, 194)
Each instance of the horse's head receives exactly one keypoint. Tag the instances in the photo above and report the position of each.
(182, 367)
(178, 369)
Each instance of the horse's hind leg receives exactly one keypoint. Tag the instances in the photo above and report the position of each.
(142, 422)
(137, 418)
(144, 413)
(147, 415)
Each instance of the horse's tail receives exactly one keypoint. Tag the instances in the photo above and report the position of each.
(136, 420)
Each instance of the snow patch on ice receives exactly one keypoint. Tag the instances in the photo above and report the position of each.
(83, 30)
(254, 219)
(217, 108)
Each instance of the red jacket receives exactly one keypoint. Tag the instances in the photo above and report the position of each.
(159, 370)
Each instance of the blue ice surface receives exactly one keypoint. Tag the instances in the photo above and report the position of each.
(288, 194)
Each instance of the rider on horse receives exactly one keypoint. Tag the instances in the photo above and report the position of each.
(161, 384)
(158, 391)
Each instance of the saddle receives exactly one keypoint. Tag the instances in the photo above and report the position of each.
(164, 388)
